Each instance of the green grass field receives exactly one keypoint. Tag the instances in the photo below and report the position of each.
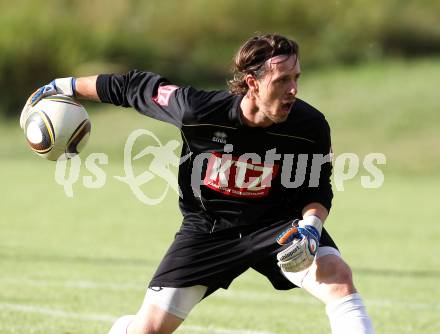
(71, 265)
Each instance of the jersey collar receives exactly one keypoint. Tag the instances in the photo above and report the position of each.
(235, 114)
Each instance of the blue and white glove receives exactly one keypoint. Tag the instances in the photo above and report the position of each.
(303, 237)
(64, 86)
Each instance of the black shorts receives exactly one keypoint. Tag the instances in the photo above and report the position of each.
(215, 260)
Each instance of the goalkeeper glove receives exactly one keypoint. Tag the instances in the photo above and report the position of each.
(64, 86)
(303, 237)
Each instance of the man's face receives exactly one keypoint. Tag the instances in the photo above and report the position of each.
(278, 87)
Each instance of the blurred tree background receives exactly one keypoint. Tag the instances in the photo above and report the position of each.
(372, 67)
(193, 41)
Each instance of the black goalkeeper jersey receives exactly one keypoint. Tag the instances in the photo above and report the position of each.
(236, 176)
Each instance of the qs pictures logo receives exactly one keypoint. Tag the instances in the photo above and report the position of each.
(162, 158)
(248, 175)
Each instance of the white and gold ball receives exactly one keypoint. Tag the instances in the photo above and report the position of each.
(57, 126)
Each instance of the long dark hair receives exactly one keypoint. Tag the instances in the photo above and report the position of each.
(251, 57)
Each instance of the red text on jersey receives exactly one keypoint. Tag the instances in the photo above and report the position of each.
(237, 177)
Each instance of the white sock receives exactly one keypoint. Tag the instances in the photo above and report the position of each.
(120, 325)
(349, 316)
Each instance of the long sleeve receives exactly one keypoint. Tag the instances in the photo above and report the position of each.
(148, 93)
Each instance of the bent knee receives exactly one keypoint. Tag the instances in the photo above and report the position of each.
(165, 308)
(331, 279)
(333, 270)
(336, 275)
(153, 320)
(148, 328)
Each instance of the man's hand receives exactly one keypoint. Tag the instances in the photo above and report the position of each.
(304, 238)
(64, 86)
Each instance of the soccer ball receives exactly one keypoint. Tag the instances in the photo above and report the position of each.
(57, 126)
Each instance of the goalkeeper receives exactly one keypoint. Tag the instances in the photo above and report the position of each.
(242, 206)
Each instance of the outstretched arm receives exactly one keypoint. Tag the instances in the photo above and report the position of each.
(149, 93)
(85, 88)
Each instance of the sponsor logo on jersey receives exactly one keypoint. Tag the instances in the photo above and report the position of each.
(163, 95)
(237, 177)
(220, 137)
